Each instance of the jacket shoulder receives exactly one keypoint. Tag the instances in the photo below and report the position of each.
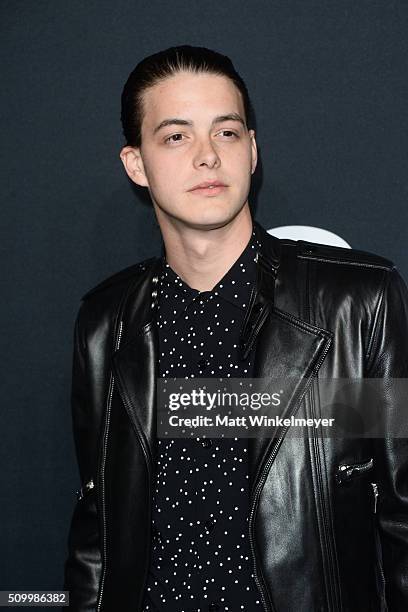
(120, 278)
(304, 249)
(338, 255)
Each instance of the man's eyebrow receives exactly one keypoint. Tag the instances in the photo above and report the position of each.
(219, 119)
(229, 117)
(174, 121)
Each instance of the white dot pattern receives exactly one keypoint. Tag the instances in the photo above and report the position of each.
(200, 557)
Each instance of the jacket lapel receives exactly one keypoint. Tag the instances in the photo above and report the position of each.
(288, 348)
(135, 363)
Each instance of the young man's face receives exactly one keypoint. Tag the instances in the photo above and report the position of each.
(211, 144)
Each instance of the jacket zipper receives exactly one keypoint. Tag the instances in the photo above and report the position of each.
(374, 486)
(149, 496)
(102, 472)
(260, 581)
(103, 485)
(328, 551)
(328, 548)
(110, 395)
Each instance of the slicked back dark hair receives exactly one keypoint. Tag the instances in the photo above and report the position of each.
(167, 63)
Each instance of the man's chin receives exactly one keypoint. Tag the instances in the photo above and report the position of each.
(199, 217)
(208, 222)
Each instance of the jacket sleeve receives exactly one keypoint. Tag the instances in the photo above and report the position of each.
(83, 564)
(389, 360)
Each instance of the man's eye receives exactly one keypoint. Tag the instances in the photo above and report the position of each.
(228, 133)
(173, 138)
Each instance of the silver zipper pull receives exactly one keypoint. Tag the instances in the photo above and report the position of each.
(83, 490)
(346, 472)
(375, 491)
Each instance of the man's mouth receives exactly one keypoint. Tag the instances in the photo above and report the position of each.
(209, 188)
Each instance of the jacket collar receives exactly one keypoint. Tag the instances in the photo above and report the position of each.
(289, 347)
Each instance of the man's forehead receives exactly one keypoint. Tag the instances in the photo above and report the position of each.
(184, 95)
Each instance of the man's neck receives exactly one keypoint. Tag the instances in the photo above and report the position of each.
(202, 257)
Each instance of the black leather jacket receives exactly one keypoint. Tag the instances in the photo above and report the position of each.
(318, 546)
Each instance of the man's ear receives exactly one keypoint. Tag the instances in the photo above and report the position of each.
(133, 163)
(254, 150)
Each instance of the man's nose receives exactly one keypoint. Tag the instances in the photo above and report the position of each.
(206, 154)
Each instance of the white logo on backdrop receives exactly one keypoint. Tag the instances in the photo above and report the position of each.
(308, 233)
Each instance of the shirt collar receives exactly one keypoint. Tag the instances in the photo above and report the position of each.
(175, 295)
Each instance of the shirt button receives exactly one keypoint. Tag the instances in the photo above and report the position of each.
(206, 443)
(203, 363)
(213, 607)
(209, 526)
(156, 534)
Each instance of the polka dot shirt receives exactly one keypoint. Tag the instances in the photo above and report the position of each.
(200, 556)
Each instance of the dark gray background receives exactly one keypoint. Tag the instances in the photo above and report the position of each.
(329, 85)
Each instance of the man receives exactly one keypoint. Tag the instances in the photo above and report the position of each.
(276, 523)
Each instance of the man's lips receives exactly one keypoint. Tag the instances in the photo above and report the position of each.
(205, 184)
(209, 188)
